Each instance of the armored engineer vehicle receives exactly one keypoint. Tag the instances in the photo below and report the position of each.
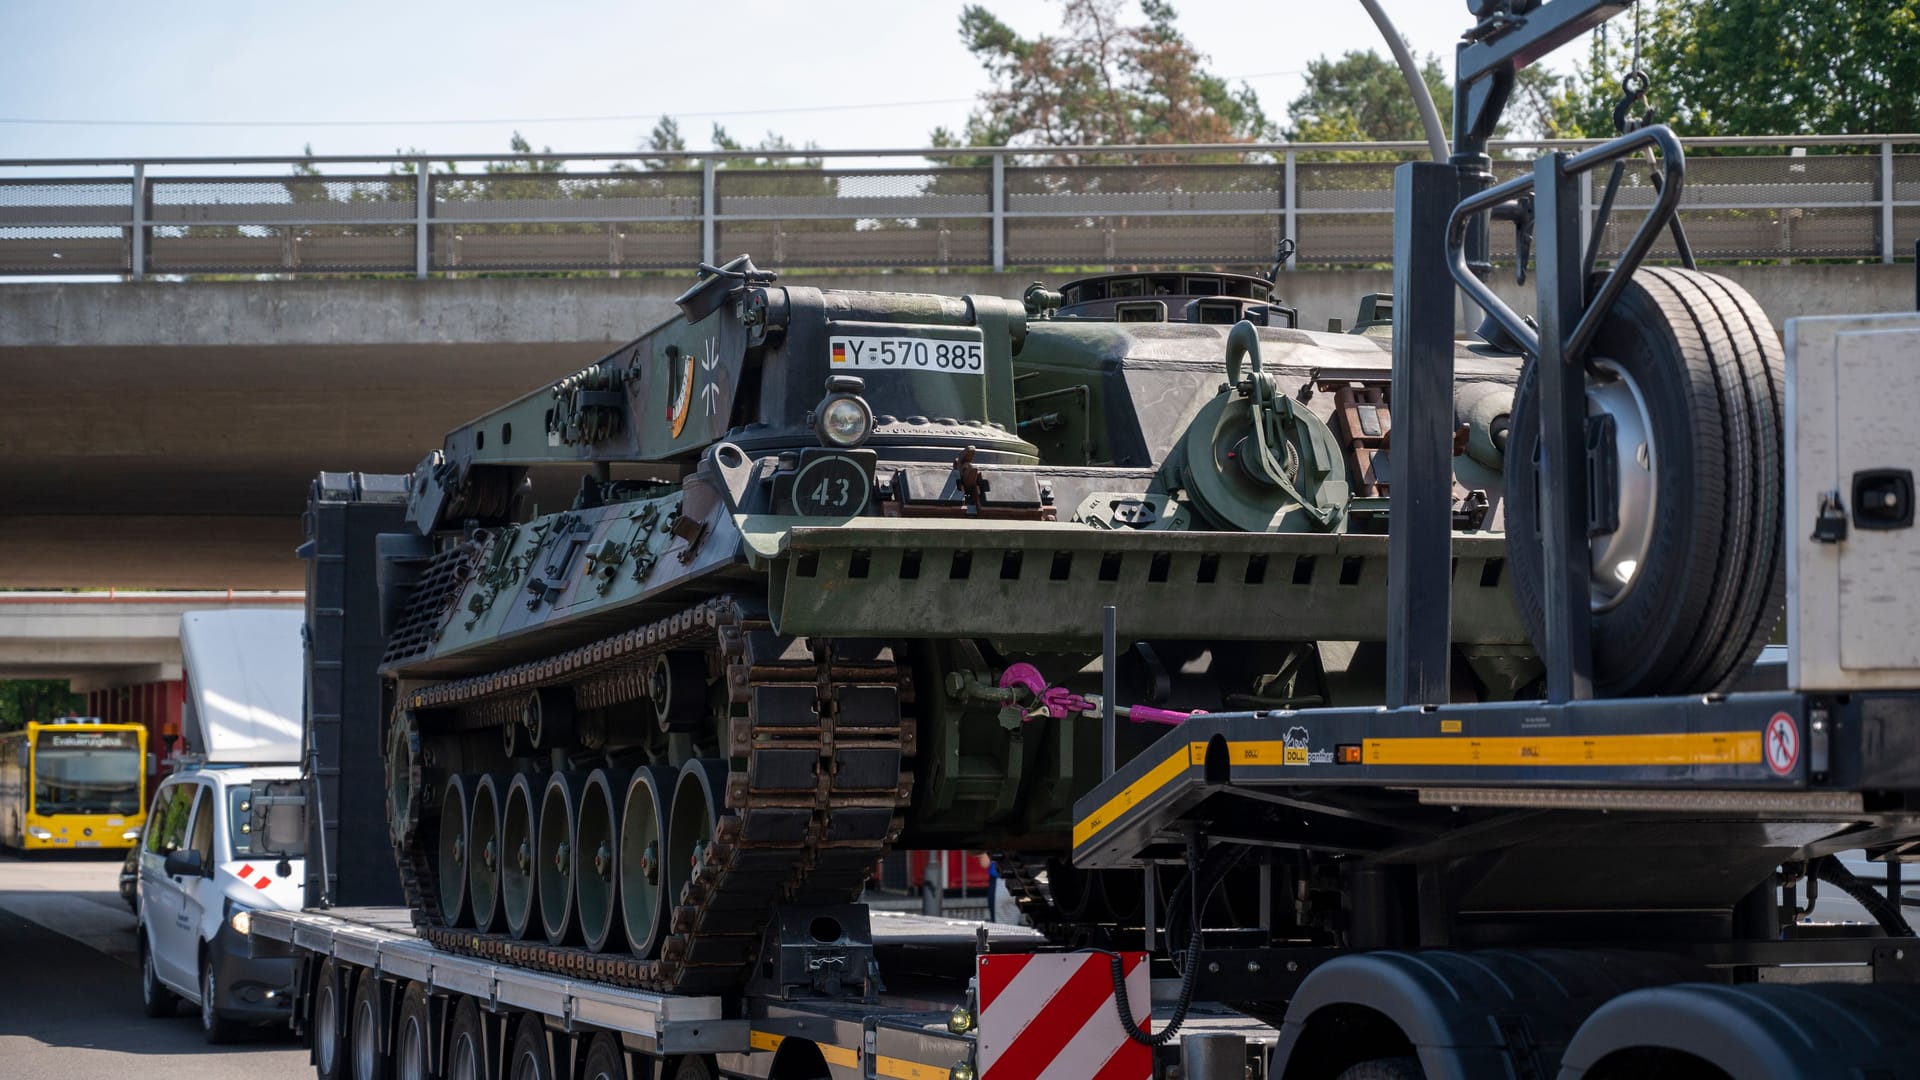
(832, 582)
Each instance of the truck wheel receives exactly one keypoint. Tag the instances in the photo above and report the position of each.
(1688, 579)
(604, 1059)
(529, 1060)
(216, 1029)
(370, 1062)
(155, 999)
(329, 1024)
(411, 1045)
(467, 1044)
(1400, 1068)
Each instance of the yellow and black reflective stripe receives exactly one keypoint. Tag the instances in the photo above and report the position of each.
(1661, 749)
(902, 1069)
(1667, 748)
(1158, 777)
(834, 1055)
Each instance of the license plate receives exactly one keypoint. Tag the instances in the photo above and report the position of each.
(906, 354)
(88, 843)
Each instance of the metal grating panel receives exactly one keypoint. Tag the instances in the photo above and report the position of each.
(66, 202)
(286, 200)
(639, 245)
(536, 197)
(1107, 189)
(849, 193)
(70, 250)
(243, 249)
(869, 242)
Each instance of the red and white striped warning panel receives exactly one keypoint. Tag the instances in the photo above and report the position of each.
(1051, 1016)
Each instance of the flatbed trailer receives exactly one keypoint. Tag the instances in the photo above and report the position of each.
(372, 999)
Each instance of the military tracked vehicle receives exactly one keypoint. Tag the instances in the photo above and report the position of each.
(831, 581)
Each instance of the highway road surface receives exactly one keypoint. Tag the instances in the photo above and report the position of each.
(70, 991)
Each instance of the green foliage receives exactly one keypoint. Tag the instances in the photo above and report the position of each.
(22, 700)
(1361, 97)
(1099, 81)
(1760, 67)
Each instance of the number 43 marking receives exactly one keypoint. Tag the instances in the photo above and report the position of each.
(832, 491)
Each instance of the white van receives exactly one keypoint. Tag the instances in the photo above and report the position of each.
(203, 871)
(212, 855)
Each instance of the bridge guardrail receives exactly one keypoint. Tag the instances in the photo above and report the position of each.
(1763, 198)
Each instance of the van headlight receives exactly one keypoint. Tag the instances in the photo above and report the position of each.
(130, 835)
(38, 833)
(241, 920)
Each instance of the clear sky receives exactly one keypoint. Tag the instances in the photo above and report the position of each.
(118, 78)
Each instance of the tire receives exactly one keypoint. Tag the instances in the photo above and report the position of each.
(1399, 1068)
(216, 1029)
(413, 1055)
(1706, 371)
(156, 1001)
(467, 1044)
(329, 1024)
(367, 1059)
(605, 1061)
(529, 1059)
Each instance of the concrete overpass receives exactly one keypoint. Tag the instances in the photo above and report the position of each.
(103, 640)
(162, 434)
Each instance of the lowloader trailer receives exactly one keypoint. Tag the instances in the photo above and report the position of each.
(1610, 869)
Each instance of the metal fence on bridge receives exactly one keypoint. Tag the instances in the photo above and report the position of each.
(1769, 198)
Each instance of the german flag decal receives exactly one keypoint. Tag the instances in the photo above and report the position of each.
(839, 353)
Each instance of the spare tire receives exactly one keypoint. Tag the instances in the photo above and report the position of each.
(1688, 582)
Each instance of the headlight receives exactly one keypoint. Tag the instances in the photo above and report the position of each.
(241, 920)
(38, 833)
(130, 834)
(845, 421)
(843, 418)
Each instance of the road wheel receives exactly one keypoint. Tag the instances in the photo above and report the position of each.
(529, 1060)
(467, 1044)
(155, 999)
(412, 1052)
(370, 1060)
(215, 1028)
(1688, 576)
(329, 1024)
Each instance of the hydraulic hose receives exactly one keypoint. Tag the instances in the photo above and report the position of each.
(1834, 872)
(1422, 97)
(1203, 877)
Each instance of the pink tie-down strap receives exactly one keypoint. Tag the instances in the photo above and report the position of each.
(1060, 701)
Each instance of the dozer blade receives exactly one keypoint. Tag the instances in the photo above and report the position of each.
(1036, 582)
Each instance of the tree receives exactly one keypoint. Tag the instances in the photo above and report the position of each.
(1099, 81)
(22, 700)
(1761, 67)
(1362, 97)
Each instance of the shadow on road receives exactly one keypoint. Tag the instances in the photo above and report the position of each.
(58, 993)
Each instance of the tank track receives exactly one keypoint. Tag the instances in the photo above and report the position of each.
(817, 750)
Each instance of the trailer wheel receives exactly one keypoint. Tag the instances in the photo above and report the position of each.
(604, 1058)
(1687, 579)
(412, 1050)
(370, 1059)
(467, 1044)
(529, 1060)
(329, 1024)
(1397, 1068)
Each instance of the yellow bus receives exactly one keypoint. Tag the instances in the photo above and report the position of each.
(73, 784)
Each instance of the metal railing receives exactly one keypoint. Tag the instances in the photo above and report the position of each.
(1747, 199)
